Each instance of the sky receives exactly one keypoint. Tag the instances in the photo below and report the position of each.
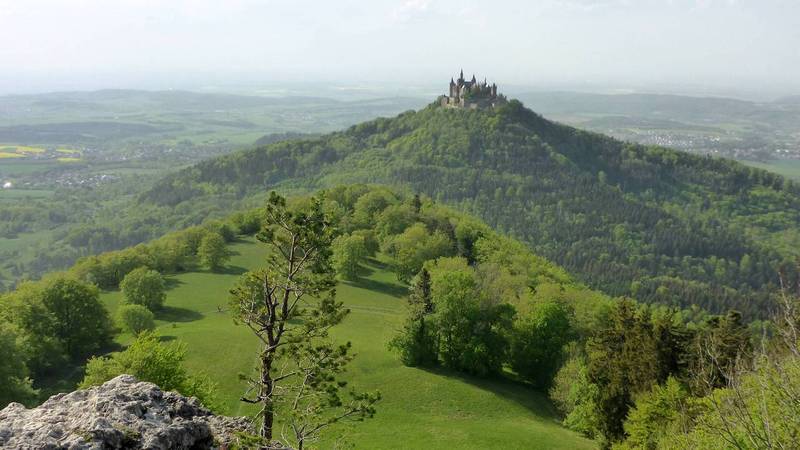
(87, 44)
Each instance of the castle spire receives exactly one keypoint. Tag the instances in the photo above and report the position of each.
(461, 77)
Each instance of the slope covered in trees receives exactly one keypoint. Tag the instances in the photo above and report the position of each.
(659, 225)
(382, 239)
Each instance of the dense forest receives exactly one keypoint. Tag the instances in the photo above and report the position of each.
(656, 224)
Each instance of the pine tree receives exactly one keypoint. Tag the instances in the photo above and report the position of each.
(418, 341)
(289, 305)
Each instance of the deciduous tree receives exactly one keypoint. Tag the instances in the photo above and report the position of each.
(135, 319)
(213, 252)
(144, 287)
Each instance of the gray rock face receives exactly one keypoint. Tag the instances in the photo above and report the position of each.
(123, 413)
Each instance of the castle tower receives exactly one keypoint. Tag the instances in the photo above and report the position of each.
(472, 94)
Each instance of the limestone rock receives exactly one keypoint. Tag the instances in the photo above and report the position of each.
(123, 413)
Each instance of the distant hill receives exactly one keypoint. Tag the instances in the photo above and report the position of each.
(657, 224)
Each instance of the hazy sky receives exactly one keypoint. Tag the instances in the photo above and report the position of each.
(49, 44)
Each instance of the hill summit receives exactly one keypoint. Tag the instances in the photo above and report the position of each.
(660, 225)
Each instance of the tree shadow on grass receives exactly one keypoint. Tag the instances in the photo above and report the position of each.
(391, 289)
(378, 264)
(504, 386)
(365, 271)
(172, 283)
(228, 270)
(174, 314)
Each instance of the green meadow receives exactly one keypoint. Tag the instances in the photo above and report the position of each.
(419, 409)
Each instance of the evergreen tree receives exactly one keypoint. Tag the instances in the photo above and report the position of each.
(418, 341)
(289, 305)
(622, 363)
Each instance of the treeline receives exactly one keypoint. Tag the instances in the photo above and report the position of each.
(659, 225)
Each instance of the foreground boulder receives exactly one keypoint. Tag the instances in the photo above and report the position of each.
(123, 413)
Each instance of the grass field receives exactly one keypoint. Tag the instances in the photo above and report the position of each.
(17, 166)
(420, 409)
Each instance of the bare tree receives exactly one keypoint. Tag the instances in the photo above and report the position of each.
(759, 404)
(290, 306)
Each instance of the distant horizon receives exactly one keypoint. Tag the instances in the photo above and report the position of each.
(358, 89)
(740, 48)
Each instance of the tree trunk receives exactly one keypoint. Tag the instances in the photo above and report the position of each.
(268, 408)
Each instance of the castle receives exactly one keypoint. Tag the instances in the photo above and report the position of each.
(471, 94)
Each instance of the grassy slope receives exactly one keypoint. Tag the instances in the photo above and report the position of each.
(420, 409)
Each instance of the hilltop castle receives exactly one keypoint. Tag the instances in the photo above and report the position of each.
(471, 94)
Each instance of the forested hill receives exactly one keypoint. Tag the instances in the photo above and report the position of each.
(657, 224)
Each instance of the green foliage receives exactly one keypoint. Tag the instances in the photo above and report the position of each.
(370, 205)
(290, 307)
(721, 347)
(371, 243)
(575, 397)
(150, 360)
(472, 327)
(135, 319)
(757, 410)
(348, 252)
(212, 251)
(246, 223)
(623, 362)
(144, 287)
(537, 342)
(15, 386)
(688, 230)
(656, 415)
(394, 219)
(418, 342)
(224, 229)
(108, 270)
(413, 247)
(61, 317)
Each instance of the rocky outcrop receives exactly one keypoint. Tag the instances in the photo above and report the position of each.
(123, 413)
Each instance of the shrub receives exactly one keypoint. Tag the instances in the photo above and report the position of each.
(144, 287)
(135, 319)
(150, 360)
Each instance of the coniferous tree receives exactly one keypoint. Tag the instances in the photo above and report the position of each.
(418, 341)
(289, 305)
(622, 363)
